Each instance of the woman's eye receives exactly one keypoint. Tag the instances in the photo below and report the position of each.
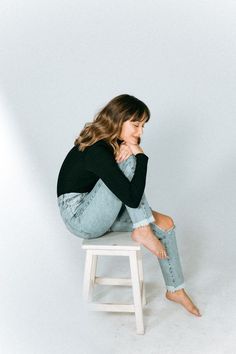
(138, 126)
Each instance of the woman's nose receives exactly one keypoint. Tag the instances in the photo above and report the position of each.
(140, 131)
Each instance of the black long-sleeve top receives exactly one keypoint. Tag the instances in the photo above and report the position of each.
(82, 169)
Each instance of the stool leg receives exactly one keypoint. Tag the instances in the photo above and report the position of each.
(136, 292)
(140, 266)
(94, 268)
(88, 276)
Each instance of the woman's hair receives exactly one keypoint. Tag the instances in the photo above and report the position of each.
(107, 123)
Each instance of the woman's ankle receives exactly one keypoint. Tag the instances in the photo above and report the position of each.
(143, 228)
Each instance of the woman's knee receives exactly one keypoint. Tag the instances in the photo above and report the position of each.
(164, 221)
(128, 166)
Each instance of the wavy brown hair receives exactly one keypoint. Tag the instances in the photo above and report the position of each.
(108, 122)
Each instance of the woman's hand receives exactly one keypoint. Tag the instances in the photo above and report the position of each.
(126, 150)
(135, 148)
(124, 153)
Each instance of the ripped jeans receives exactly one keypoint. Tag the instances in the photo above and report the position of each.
(93, 214)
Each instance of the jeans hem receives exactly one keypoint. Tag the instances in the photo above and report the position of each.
(173, 289)
(144, 222)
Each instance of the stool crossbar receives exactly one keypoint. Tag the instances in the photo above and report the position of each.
(115, 244)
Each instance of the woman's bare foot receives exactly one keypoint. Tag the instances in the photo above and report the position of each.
(182, 298)
(145, 236)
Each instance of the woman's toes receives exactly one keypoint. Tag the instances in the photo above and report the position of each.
(162, 255)
(196, 311)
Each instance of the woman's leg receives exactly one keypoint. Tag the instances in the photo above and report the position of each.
(171, 266)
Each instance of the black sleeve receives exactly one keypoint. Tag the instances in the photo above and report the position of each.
(100, 160)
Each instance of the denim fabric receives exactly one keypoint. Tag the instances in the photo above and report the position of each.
(92, 214)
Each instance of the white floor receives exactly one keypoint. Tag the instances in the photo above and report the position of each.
(42, 311)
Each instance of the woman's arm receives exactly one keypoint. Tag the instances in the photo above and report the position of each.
(100, 160)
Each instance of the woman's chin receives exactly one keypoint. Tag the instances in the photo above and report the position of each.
(132, 141)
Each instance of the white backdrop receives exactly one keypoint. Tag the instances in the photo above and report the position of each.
(61, 61)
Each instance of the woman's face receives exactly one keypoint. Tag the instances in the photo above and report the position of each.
(132, 131)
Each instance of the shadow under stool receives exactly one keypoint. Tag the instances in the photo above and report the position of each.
(115, 244)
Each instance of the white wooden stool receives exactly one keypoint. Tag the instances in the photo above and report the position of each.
(115, 244)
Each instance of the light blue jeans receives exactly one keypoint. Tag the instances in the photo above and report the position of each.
(93, 214)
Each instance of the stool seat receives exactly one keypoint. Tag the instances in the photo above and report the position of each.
(115, 244)
(112, 241)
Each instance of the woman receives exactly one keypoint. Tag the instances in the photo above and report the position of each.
(101, 186)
